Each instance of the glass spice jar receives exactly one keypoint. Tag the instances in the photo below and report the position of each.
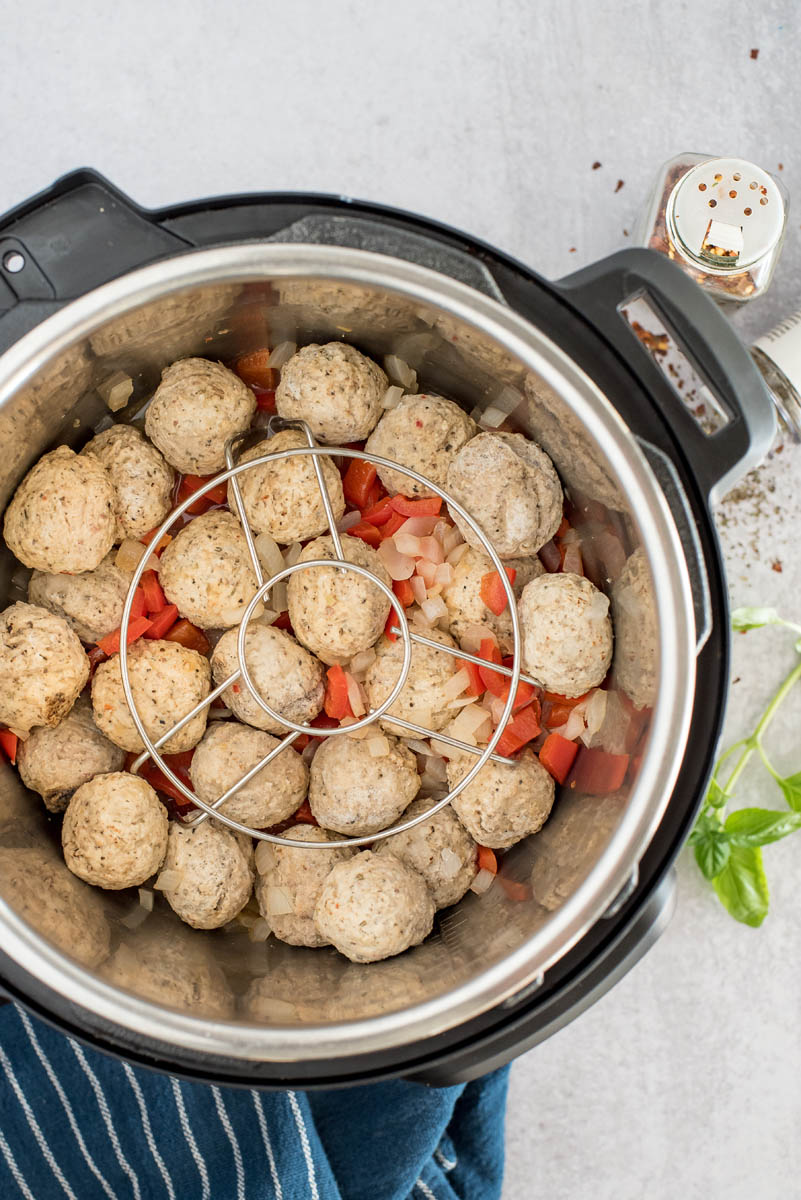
(777, 355)
(721, 219)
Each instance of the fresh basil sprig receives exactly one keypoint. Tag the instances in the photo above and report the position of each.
(728, 846)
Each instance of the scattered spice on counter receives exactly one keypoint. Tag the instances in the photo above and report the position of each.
(618, 186)
(755, 54)
(595, 166)
(776, 566)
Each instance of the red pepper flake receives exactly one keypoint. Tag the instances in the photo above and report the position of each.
(625, 233)
(755, 54)
(595, 166)
(781, 166)
(618, 186)
(572, 250)
(776, 566)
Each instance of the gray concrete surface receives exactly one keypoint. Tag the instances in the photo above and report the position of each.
(685, 1080)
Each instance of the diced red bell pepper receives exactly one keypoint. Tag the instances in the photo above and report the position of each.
(265, 398)
(563, 528)
(304, 815)
(392, 525)
(494, 681)
(155, 600)
(321, 721)
(374, 495)
(639, 724)
(476, 687)
(598, 773)
(161, 544)
(403, 590)
(556, 709)
(380, 512)
(138, 604)
(110, 644)
(392, 619)
(96, 656)
(525, 691)
(514, 890)
(367, 532)
(162, 622)
(487, 860)
(493, 592)
(550, 557)
(428, 506)
(557, 755)
(282, 621)
(187, 634)
(9, 742)
(336, 703)
(252, 369)
(359, 478)
(153, 775)
(192, 483)
(522, 729)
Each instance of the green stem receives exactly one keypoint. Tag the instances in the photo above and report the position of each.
(754, 741)
(766, 761)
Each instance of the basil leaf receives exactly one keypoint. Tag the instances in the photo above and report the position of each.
(743, 619)
(791, 786)
(712, 853)
(742, 887)
(760, 826)
(715, 796)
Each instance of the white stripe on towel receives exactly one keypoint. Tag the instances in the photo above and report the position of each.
(34, 1125)
(102, 1104)
(14, 1169)
(447, 1164)
(279, 1195)
(426, 1190)
(190, 1138)
(306, 1147)
(222, 1112)
(151, 1141)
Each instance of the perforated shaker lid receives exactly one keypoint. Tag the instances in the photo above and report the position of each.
(726, 214)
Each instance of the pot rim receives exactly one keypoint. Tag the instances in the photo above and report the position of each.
(253, 261)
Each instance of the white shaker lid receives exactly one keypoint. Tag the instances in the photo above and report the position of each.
(726, 214)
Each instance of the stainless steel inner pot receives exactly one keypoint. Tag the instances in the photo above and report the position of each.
(217, 993)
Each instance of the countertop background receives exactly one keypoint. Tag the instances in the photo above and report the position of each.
(685, 1080)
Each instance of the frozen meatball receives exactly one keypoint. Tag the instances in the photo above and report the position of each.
(463, 595)
(228, 751)
(43, 667)
(509, 486)
(167, 681)
(90, 602)
(44, 893)
(62, 516)
(54, 762)
(374, 906)
(196, 408)
(141, 478)
(283, 498)
(424, 433)
(115, 831)
(421, 701)
(210, 877)
(636, 630)
(566, 633)
(335, 612)
(439, 848)
(355, 793)
(284, 674)
(207, 571)
(289, 883)
(335, 389)
(171, 968)
(503, 804)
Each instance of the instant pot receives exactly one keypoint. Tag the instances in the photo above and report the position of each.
(94, 289)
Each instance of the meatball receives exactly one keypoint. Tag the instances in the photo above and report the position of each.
(283, 673)
(352, 792)
(463, 595)
(566, 633)
(424, 433)
(207, 571)
(62, 516)
(228, 751)
(168, 968)
(335, 389)
(421, 700)
(503, 804)
(196, 408)
(283, 498)
(90, 602)
(335, 612)
(509, 486)
(167, 681)
(42, 891)
(374, 906)
(54, 762)
(636, 630)
(213, 865)
(289, 883)
(43, 667)
(115, 831)
(141, 478)
(439, 848)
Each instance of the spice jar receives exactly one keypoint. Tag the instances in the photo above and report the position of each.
(778, 356)
(721, 219)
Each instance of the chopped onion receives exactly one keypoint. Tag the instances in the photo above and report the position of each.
(613, 733)
(472, 722)
(419, 590)
(473, 636)
(355, 696)
(292, 554)
(357, 734)
(482, 881)
(347, 522)
(406, 543)
(427, 571)
(277, 900)
(265, 857)
(267, 617)
(594, 713)
(508, 399)
(116, 390)
(491, 417)
(418, 526)
(281, 354)
(399, 566)
(129, 555)
(574, 725)
(400, 372)
(436, 769)
(452, 539)
(133, 919)
(418, 746)
(431, 548)
(270, 556)
(456, 555)
(392, 397)
(146, 898)
(309, 750)
(168, 881)
(378, 745)
(450, 863)
(259, 930)
(495, 706)
(444, 575)
(279, 597)
(461, 701)
(599, 606)
(456, 684)
(434, 608)
(573, 563)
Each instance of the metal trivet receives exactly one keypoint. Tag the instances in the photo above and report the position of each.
(401, 628)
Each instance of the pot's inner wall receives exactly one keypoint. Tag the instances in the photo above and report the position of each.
(224, 974)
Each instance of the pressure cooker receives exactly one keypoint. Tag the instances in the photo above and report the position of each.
(94, 288)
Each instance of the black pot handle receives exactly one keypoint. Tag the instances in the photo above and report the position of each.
(709, 342)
